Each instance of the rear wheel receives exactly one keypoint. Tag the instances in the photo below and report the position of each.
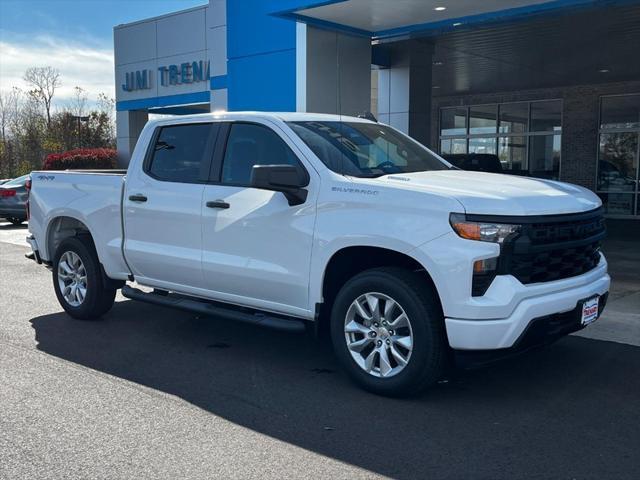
(78, 280)
(387, 331)
(15, 220)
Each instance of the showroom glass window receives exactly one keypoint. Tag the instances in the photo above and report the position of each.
(619, 154)
(524, 136)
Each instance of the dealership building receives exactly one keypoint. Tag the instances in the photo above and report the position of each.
(550, 87)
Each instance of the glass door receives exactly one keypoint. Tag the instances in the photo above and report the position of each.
(619, 154)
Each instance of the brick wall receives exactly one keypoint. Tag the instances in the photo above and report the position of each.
(580, 114)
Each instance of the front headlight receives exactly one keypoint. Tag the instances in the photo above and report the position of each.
(482, 231)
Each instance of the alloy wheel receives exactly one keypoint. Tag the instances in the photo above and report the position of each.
(378, 334)
(72, 278)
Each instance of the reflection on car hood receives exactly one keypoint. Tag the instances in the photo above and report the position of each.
(500, 194)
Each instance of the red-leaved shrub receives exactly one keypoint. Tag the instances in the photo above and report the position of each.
(81, 158)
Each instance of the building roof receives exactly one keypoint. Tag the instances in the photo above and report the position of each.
(159, 17)
(382, 19)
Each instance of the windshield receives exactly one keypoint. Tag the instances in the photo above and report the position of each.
(364, 149)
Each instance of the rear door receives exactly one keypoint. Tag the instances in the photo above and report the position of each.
(163, 206)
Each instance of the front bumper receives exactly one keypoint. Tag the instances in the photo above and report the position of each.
(540, 331)
(537, 303)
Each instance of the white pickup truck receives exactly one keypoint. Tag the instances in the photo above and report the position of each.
(289, 219)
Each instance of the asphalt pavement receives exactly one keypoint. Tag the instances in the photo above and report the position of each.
(150, 392)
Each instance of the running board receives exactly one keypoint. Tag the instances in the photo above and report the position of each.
(215, 309)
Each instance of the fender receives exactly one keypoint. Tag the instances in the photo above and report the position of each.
(108, 249)
(324, 253)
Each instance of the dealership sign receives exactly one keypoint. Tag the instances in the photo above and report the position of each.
(140, 80)
(168, 75)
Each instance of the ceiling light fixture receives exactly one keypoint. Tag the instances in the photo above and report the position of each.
(604, 70)
(438, 62)
(457, 24)
(440, 9)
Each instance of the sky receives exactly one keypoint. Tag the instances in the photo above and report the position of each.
(74, 36)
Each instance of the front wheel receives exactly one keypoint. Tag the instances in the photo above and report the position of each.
(78, 281)
(387, 331)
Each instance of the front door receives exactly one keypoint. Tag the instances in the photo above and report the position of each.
(257, 248)
(163, 207)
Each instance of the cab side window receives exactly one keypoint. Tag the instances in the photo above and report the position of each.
(182, 153)
(250, 144)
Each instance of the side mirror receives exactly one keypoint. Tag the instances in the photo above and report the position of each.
(282, 178)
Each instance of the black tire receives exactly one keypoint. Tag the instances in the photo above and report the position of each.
(411, 291)
(15, 221)
(99, 298)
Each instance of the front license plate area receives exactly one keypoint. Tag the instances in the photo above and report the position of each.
(590, 310)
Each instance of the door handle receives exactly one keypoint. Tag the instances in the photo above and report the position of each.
(137, 198)
(218, 204)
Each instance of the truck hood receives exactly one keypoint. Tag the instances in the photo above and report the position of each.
(499, 194)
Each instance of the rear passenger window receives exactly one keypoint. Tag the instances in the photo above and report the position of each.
(250, 144)
(182, 153)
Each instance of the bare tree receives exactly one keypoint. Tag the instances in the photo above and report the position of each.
(43, 82)
(107, 106)
(9, 118)
(8, 110)
(106, 103)
(4, 114)
(78, 102)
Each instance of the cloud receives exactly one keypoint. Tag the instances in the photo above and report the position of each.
(80, 64)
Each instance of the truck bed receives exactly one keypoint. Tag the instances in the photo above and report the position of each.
(87, 171)
(91, 197)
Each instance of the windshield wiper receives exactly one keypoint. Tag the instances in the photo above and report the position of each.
(370, 175)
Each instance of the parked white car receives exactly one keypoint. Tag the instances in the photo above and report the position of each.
(291, 219)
